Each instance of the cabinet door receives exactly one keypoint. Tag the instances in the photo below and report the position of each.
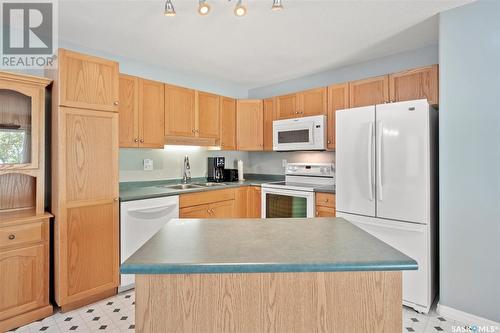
(338, 99)
(322, 211)
(23, 280)
(89, 154)
(269, 117)
(151, 114)
(92, 245)
(129, 111)
(87, 82)
(179, 111)
(223, 209)
(313, 102)
(254, 202)
(249, 125)
(208, 115)
(228, 123)
(22, 106)
(287, 106)
(195, 212)
(369, 92)
(86, 236)
(419, 83)
(241, 202)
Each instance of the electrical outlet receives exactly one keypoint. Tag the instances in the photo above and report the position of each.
(148, 164)
(283, 163)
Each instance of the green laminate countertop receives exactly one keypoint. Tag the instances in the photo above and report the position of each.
(130, 191)
(191, 246)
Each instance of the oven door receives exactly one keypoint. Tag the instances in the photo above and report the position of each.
(294, 134)
(283, 203)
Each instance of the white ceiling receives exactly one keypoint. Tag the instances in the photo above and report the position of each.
(262, 48)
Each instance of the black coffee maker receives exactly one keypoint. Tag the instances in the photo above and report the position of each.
(216, 169)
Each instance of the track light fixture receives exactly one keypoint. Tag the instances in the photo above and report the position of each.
(203, 7)
(240, 9)
(277, 5)
(169, 8)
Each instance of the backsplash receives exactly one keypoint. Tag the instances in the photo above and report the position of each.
(168, 161)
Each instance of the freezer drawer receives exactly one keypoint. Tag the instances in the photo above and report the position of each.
(413, 240)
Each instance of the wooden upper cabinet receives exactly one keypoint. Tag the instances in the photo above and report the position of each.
(208, 115)
(249, 125)
(338, 99)
(369, 91)
(418, 83)
(287, 106)
(269, 117)
(312, 102)
(227, 123)
(152, 115)
(306, 103)
(129, 111)
(179, 111)
(87, 82)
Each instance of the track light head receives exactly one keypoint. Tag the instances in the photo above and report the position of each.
(240, 9)
(277, 5)
(203, 7)
(169, 8)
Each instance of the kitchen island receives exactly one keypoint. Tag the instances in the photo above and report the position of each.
(267, 275)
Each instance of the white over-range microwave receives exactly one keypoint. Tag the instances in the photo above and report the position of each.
(307, 133)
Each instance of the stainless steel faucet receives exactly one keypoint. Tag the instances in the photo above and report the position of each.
(186, 171)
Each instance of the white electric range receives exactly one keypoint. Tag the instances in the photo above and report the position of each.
(294, 197)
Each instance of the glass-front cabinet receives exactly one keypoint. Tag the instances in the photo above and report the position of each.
(19, 125)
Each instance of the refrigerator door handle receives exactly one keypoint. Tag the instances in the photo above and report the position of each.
(380, 135)
(370, 160)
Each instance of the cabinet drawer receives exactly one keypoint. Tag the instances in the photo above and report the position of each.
(21, 234)
(325, 200)
(322, 211)
(206, 197)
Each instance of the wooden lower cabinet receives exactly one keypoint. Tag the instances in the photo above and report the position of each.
(254, 202)
(92, 249)
(24, 272)
(85, 205)
(325, 205)
(221, 209)
(240, 202)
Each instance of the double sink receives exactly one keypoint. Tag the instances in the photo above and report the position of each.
(191, 186)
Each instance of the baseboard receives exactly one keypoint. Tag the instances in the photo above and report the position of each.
(464, 317)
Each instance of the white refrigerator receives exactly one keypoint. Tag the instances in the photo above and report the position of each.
(386, 171)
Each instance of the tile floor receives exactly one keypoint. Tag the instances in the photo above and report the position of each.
(116, 314)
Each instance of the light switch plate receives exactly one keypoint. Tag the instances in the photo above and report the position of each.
(148, 164)
(283, 163)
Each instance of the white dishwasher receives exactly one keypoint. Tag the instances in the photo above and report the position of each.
(139, 221)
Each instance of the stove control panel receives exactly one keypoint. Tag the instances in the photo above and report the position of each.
(311, 169)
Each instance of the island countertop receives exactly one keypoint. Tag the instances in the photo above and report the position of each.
(191, 246)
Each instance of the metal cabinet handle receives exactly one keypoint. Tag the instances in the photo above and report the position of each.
(115, 103)
(12, 236)
(136, 140)
(317, 213)
(116, 199)
(326, 200)
(329, 141)
(141, 140)
(192, 131)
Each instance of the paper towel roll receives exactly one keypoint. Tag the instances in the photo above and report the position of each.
(240, 170)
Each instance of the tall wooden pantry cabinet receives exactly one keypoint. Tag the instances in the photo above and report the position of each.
(85, 178)
(24, 224)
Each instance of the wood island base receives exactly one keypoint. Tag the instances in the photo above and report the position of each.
(365, 301)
